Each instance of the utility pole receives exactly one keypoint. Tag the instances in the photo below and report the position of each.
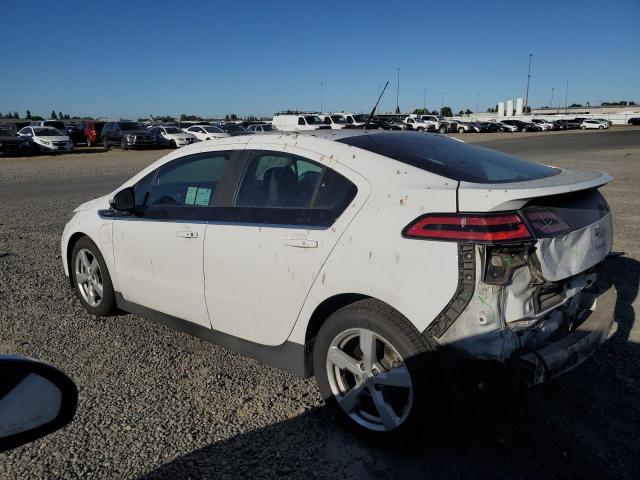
(566, 97)
(551, 102)
(477, 104)
(398, 93)
(424, 99)
(441, 100)
(526, 97)
(321, 99)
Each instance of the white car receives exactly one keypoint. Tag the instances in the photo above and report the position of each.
(336, 121)
(505, 127)
(415, 123)
(543, 124)
(286, 122)
(47, 139)
(172, 136)
(595, 124)
(204, 132)
(361, 257)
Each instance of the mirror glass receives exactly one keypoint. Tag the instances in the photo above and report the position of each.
(28, 402)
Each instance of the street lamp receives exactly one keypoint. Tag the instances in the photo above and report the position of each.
(566, 97)
(424, 99)
(321, 99)
(526, 97)
(551, 102)
(398, 93)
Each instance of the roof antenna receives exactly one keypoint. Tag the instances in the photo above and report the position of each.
(375, 106)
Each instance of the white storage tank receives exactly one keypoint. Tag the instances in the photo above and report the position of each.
(519, 106)
(501, 109)
(509, 108)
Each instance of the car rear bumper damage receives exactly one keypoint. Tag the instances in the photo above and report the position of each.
(543, 364)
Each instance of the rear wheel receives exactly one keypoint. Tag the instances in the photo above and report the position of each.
(375, 371)
(105, 143)
(601, 127)
(583, 127)
(123, 144)
(461, 130)
(442, 129)
(91, 278)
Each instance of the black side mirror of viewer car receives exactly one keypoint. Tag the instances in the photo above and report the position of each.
(124, 200)
(36, 399)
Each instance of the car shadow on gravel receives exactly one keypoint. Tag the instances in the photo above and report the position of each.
(584, 425)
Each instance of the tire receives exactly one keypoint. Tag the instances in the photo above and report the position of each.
(172, 144)
(601, 127)
(461, 130)
(105, 143)
(87, 260)
(415, 364)
(123, 144)
(583, 127)
(442, 129)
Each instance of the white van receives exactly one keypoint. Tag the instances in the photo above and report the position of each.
(296, 122)
(335, 121)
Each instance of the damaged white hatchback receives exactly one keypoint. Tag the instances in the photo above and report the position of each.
(359, 257)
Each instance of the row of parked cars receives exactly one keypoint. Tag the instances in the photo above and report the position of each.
(50, 136)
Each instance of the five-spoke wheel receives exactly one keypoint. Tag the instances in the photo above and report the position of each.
(91, 278)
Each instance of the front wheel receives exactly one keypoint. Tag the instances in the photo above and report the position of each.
(583, 127)
(601, 127)
(373, 369)
(105, 143)
(443, 129)
(461, 130)
(91, 278)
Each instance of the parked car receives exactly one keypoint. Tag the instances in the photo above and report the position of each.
(335, 121)
(415, 123)
(607, 123)
(93, 133)
(75, 133)
(567, 124)
(465, 127)
(277, 252)
(262, 128)
(36, 399)
(172, 137)
(207, 132)
(543, 124)
(233, 129)
(389, 124)
(523, 126)
(592, 124)
(57, 124)
(298, 122)
(633, 121)
(126, 135)
(47, 139)
(505, 127)
(13, 144)
(441, 124)
(356, 120)
(185, 125)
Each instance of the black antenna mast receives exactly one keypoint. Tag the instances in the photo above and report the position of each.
(375, 106)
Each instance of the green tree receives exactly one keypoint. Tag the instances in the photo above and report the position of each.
(53, 115)
(446, 112)
(460, 113)
(16, 116)
(36, 117)
(227, 117)
(60, 116)
(28, 117)
(468, 112)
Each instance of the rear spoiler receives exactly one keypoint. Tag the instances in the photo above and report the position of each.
(482, 197)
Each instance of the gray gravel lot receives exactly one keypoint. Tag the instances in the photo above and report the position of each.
(155, 403)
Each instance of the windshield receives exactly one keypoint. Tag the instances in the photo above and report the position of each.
(129, 126)
(450, 158)
(172, 130)
(213, 130)
(338, 119)
(360, 118)
(313, 120)
(48, 132)
(269, 128)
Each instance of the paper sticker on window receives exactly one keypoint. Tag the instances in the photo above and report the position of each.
(190, 198)
(202, 197)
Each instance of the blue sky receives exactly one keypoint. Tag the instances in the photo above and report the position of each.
(211, 58)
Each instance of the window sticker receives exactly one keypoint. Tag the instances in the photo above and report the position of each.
(191, 196)
(202, 196)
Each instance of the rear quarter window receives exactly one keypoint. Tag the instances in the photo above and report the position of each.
(450, 158)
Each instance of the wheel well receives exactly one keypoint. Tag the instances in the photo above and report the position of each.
(72, 241)
(319, 316)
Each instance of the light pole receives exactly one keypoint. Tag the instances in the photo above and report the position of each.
(398, 93)
(424, 100)
(566, 97)
(477, 104)
(379, 109)
(551, 102)
(321, 99)
(441, 100)
(526, 97)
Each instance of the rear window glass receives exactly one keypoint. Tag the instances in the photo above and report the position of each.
(450, 158)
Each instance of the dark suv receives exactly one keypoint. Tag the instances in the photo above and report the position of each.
(126, 135)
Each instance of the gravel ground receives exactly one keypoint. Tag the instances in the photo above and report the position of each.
(155, 403)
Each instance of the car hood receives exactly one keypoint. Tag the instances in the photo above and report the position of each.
(87, 205)
(57, 138)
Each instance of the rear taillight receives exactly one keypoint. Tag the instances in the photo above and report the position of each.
(478, 228)
(546, 223)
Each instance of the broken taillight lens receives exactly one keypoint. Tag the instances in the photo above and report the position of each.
(546, 222)
(478, 228)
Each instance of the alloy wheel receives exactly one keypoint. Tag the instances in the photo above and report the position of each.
(369, 379)
(89, 277)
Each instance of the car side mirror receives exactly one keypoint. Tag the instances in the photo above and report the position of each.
(36, 399)
(124, 200)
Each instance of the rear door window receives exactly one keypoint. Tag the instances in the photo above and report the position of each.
(449, 158)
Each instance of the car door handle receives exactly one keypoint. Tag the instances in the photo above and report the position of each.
(301, 243)
(186, 234)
